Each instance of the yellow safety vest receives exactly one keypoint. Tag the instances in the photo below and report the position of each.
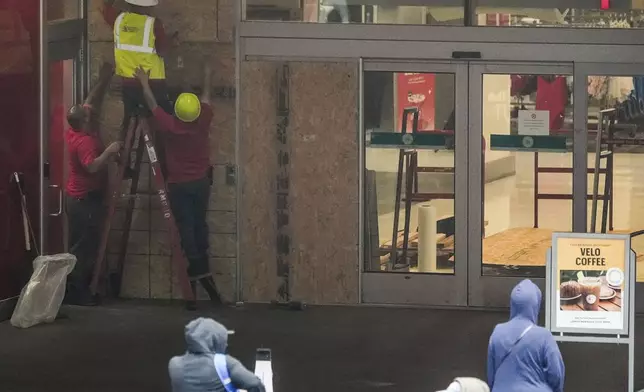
(134, 46)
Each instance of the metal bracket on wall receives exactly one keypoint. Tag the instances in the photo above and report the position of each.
(231, 174)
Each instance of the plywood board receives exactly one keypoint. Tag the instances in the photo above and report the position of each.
(523, 246)
(257, 166)
(324, 206)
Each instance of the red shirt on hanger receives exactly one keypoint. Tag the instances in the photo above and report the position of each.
(553, 97)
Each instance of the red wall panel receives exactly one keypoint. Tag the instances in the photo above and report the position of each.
(19, 111)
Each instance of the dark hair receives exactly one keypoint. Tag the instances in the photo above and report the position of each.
(76, 117)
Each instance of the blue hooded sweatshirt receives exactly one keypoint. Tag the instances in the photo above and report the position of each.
(195, 370)
(535, 363)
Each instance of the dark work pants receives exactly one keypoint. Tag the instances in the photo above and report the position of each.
(189, 203)
(85, 217)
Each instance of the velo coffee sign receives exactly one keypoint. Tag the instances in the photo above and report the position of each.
(591, 278)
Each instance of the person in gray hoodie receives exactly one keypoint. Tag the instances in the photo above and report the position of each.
(205, 367)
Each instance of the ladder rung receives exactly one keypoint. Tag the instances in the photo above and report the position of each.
(429, 196)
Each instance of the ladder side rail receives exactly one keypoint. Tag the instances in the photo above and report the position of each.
(114, 187)
(116, 278)
(178, 257)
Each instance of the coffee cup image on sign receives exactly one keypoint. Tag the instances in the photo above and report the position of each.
(590, 291)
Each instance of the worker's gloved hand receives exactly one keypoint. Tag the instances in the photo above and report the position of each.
(143, 76)
(114, 148)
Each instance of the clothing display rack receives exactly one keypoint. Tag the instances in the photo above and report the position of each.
(138, 133)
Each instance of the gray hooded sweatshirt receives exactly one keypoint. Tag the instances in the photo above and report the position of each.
(195, 370)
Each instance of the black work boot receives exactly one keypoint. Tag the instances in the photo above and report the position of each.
(192, 304)
(209, 285)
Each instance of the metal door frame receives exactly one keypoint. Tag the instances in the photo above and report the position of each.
(582, 72)
(493, 291)
(59, 40)
(419, 288)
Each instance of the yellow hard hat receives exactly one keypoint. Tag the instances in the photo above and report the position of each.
(143, 3)
(187, 107)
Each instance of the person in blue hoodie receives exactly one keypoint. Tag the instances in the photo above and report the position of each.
(521, 355)
(205, 367)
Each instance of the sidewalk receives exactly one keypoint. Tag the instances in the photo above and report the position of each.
(126, 346)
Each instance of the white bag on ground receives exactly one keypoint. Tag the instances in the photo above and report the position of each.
(41, 298)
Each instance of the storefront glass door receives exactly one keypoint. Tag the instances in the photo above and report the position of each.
(613, 111)
(63, 78)
(501, 156)
(414, 118)
(521, 186)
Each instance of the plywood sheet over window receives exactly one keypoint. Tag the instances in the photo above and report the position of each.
(322, 204)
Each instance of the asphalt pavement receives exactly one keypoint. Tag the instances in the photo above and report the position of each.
(126, 346)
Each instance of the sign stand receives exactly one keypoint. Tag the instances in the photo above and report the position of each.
(264, 367)
(584, 334)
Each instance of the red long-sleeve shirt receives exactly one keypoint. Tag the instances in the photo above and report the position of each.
(187, 145)
(161, 44)
(83, 148)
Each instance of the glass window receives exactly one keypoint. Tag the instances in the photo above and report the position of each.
(561, 13)
(527, 175)
(432, 12)
(62, 9)
(409, 192)
(616, 107)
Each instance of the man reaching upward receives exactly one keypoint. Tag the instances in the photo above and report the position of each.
(187, 150)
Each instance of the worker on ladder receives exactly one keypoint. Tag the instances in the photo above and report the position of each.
(140, 40)
(86, 186)
(189, 175)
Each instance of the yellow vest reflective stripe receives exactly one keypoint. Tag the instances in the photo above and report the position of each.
(134, 46)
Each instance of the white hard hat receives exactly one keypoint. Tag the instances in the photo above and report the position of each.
(143, 3)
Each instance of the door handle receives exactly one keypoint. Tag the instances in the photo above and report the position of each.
(60, 201)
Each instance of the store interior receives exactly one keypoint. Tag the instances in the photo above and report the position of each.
(527, 194)
(517, 13)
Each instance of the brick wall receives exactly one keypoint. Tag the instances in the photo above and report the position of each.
(205, 32)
